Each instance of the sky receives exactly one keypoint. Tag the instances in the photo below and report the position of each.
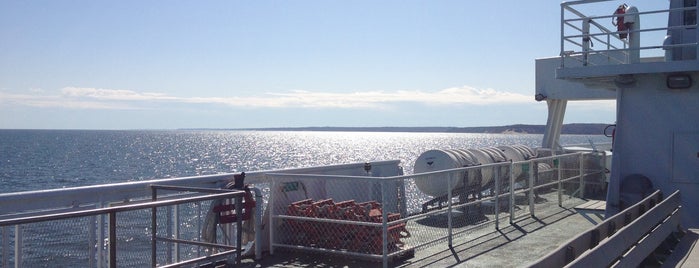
(253, 64)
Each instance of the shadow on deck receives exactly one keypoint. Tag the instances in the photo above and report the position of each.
(515, 245)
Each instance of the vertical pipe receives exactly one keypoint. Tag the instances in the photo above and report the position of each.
(512, 192)
(532, 167)
(198, 205)
(562, 35)
(271, 225)
(557, 164)
(168, 234)
(176, 231)
(449, 210)
(239, 229)
(153, 232)
(497, 196)
(100, 236)
(384, 223)
(18, 246)
(609, 47)
(113, 240)
(91, 240)
(582, 178)
(586, 41)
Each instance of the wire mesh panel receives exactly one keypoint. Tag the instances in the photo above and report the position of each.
(67, 242)
(134, 237)
(431, 215)
(520, 192)
(571, 181)
(6, 244)
(314, 213)
(120, 234)
(191, 222)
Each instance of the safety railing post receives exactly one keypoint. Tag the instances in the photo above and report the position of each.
(557, 165)
(101, 219)
(91, 240)
(384, 223)
(113, 240)
(582, 177)
(498, 172)
(18, 245)
(512, 193)
(239, 229)
(153, 232)
(586, 41)
(176, 231)
(199, 225)
(532, 199)
(168, 233)
(562, 27)
(449, 210)
(272, 210)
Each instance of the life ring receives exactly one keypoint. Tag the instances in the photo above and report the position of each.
(222, 213)
(618, 21)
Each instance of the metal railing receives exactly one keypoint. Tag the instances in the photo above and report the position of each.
(618, 238)
(305, 205)
(83, 241)
(580, 33)
(94, 219)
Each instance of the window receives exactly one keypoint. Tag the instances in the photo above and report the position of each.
(690, 16)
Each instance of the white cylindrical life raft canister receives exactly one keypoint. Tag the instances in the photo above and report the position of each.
(441, 184)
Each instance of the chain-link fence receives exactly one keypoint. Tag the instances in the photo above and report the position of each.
(390, 217)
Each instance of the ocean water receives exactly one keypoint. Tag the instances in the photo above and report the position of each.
(47, 159)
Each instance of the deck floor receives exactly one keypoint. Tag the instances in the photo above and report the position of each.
(515, 245)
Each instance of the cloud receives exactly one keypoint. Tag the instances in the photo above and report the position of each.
(112, 94)
(99, 98)
(57, 101)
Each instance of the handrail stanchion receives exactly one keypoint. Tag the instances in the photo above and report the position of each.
(239, 227)
(91, 233)
(449, 210)
(562, 36)
(113, 241)
(101, 219)
(582, 178)
(532, 167)
(273, 188)
(557, 165)
(384, 223)
(168, 232)
(586, 41)
(512, 192)
(199, 225)
(18, 245)
(153, 231)
(176, 231)
(449, 218)
(497, 197)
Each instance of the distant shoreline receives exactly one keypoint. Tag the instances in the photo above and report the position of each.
(572, 129)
